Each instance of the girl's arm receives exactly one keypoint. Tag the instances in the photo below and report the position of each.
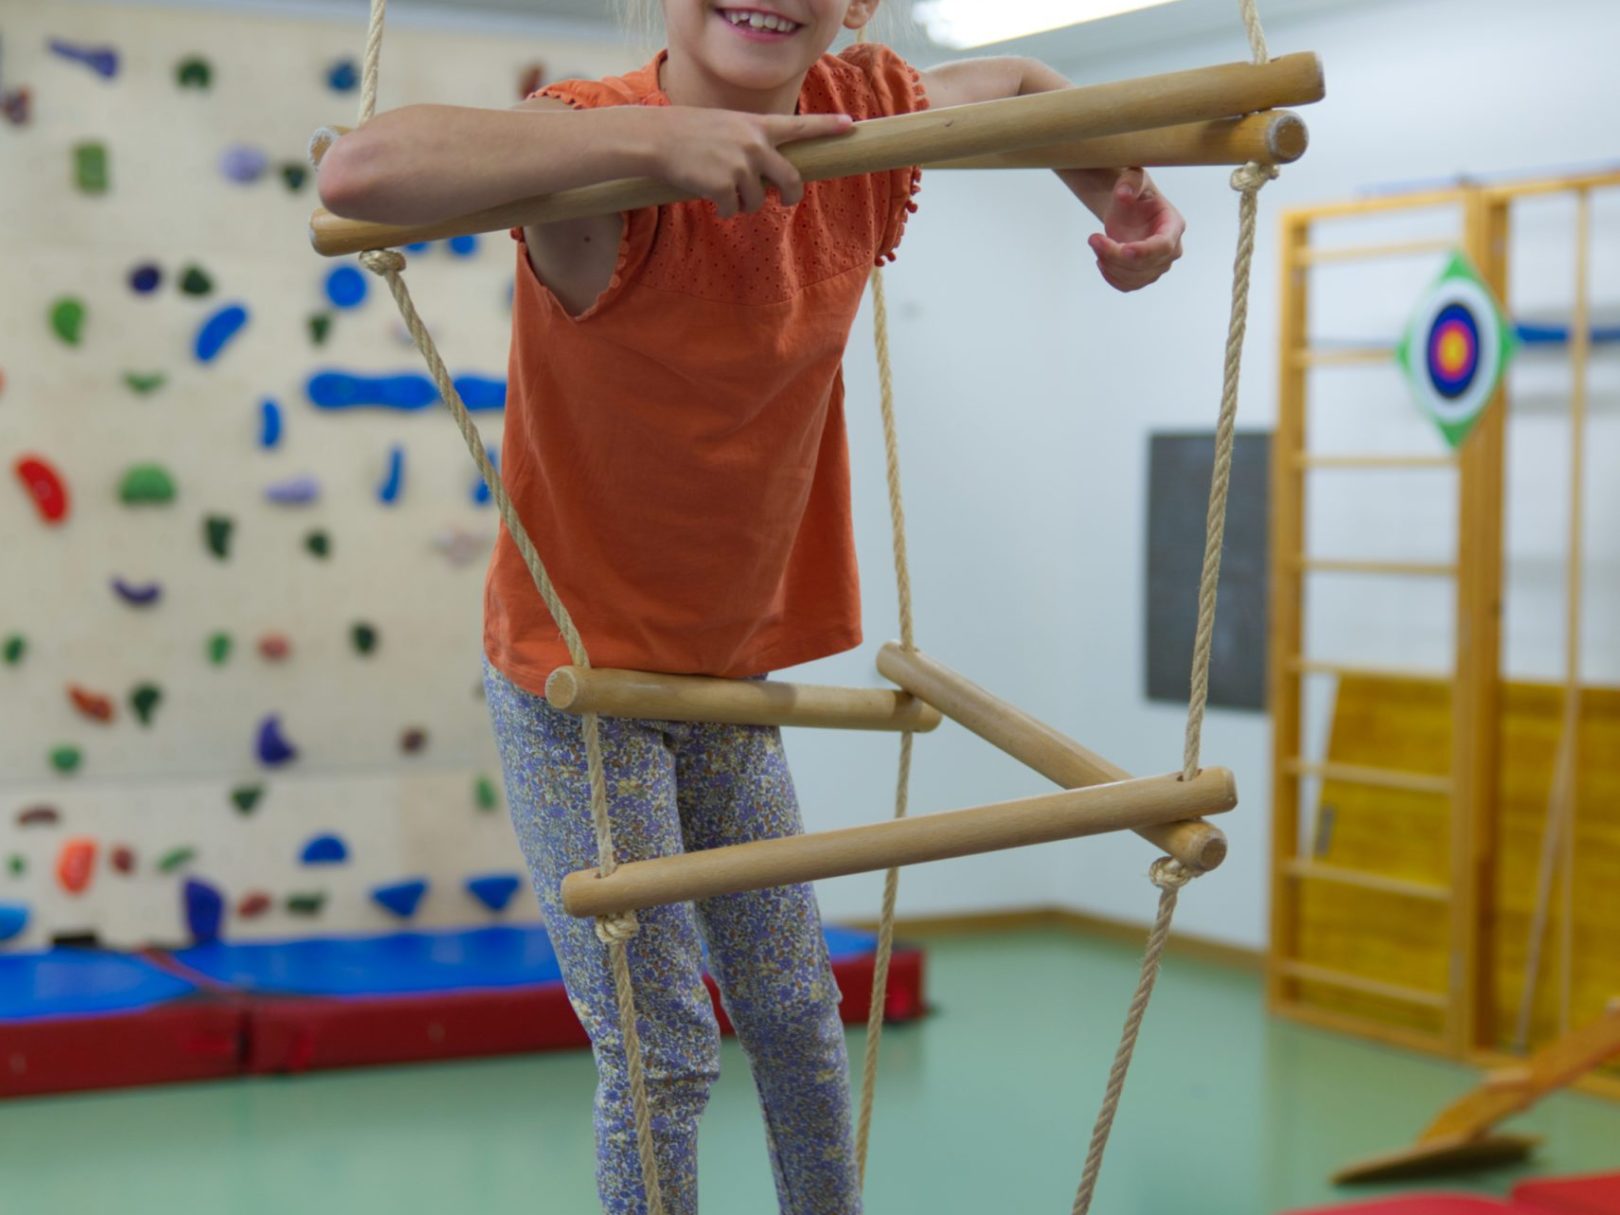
(1142, 230)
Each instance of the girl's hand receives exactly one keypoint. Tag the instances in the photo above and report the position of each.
(1141, 234)
(729, 157)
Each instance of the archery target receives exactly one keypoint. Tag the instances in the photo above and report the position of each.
(1456, 349)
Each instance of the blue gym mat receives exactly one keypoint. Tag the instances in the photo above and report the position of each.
(74, 982)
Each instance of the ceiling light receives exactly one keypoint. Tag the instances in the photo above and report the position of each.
(965, 23)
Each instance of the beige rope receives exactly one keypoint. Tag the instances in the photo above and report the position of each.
(614, 931)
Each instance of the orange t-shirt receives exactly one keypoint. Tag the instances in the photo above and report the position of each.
(677, 452)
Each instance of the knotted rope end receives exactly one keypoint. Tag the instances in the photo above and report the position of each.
(383, 261)
(617, 929)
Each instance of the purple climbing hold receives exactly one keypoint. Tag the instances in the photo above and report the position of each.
(143, 594)
(13, 919)
(205, 910)
(102, 60)
(324, 850)
(243, 163)
(221, 326)
(494, 890)
(401, 898)
(145, 278)
(393, 483)
(269, 424)
(273, 747)
(296, 491)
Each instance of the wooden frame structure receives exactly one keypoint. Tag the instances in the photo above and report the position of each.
(1466, 1006)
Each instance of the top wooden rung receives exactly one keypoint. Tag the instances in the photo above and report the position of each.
(1010, 125)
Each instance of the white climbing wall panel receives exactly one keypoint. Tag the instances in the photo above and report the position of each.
(168, 786)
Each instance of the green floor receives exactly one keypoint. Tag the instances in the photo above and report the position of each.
(982, 1109)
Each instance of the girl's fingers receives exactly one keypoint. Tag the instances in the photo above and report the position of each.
(751, 190)
(781, 129)
(779, 171)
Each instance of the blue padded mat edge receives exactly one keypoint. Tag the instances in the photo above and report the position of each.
(74, 982)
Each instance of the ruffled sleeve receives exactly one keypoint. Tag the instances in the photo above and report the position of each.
(896, 88)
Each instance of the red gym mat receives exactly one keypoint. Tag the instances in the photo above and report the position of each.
(1598, 1194)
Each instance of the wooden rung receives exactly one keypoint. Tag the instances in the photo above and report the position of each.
(1379, 778)
(1012, 124)
(1307, 973)
(1347, 253)
(1276, 137)
(1372, 461)
(1403, 887)
(1071, 814)
(1199, 846)
(1342, 669)
(744, 702)
(1338, 356)
(1419, 569)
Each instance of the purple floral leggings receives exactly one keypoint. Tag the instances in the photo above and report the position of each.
(677, 786)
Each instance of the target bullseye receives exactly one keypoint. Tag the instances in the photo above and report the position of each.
(1456, 349)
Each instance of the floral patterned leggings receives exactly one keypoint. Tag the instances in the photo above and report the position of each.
(678, 786)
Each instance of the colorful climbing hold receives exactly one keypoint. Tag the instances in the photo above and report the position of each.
(90, 704)
(17, 864)
(463, 246)
(102, 60)
(67, 319)
(145, 278)
(461, 547)
(273, 747)
(400, 898)
(363, 636)
(204, 909)
(269, 424)
(218, 329)
(494, 890)
(13, 919)
(295, 491)
(66, 759)
(342, 76)
(306, 904)
(45, 486)
(144, 384)
(144, 699)
(194, 280)
(294, 175)
(346, 287)
(485, 795)
(16, 645)
(406, 391)
(90, 173)
(243, 163)
(252, 905)
(39, 816)
(143, 594)
(393, 482)
(122, 859)
(246, 798)
(17, 105)
(76, 864)
(319, 544)
(324, 850)
(320, 327)
(194, 72)
(176, 858)
(275, 647)
(413, 741)
(219, 648)
(217, 531)
(146, 484)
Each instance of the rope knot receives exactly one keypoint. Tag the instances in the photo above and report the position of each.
(618, 928)
(1252, 176)
(1167, 873)
(383, 261)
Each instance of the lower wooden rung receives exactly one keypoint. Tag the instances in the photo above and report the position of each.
(1122, 806)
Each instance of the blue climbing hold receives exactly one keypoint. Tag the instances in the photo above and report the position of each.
(494, 890)
(273, 747)
(205, 910)
(13, 919)
(220, 327)
(343, 75)
(145, 278)
(295, 491)
(346, 287)
(401, 898)
(143, 594)
(407, 391)
(463, 246)
(324, 850)
(418, 246)
(102, 60)
(269, 424)
(394, 480)
(480, 489)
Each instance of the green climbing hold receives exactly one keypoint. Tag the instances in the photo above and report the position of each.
(217, 534)
(194, 72)
(90, 167)
(16, 646)
(294, 175)
(176, 858)
(484, 793)
(66, 759)
(320, 326)
(144, 384)
(146, 484)
(305, 904)
(246, 798)
(17, 863)
(195, 281)
(364, 637)
(67, 319)
(319, 544)
(144, 700)
(219, 648)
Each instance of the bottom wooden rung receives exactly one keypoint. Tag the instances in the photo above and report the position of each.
(1121, 806)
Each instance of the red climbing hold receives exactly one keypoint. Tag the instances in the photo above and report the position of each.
(92, 704)
(75, 863)
(39, 816)
(253, 905)
(122, 858)
(274, 647)
(45, 485)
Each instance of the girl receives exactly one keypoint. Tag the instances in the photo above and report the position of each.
(675, 443)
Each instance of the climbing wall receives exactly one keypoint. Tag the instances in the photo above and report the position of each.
(240, 608)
